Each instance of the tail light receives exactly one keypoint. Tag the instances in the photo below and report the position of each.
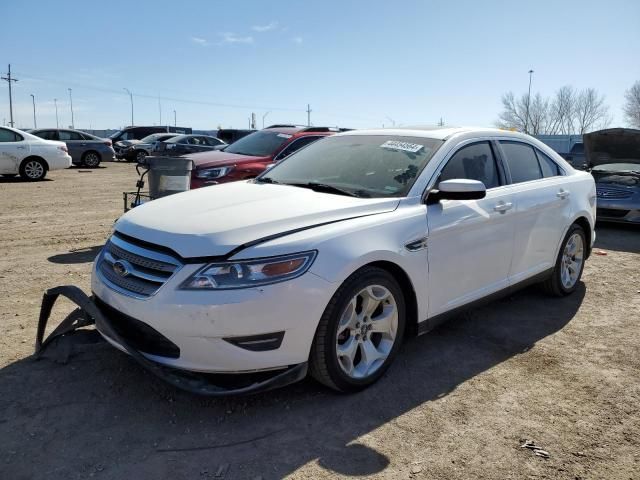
(64, 148)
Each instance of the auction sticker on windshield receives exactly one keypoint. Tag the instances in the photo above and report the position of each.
(404, 146)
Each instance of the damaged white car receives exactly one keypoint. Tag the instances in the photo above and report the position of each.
(326, 261)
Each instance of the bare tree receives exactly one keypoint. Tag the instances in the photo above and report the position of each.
(561, 111)
(632, 105)
(591, 113)
(514, 111)
(567, 112)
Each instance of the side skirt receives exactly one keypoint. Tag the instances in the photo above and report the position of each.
(431, 323)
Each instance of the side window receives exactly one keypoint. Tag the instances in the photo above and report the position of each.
(67, 135)
(522, 161)
(9, 136)
(48, 134)
(212, 142)
(548, 166)
(86, 136)
(474, 162)
(296, 145)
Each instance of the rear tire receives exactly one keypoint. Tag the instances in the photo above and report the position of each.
(569, 265)
(140, 156)
(360, 331)
(33, 169)
(91, 159)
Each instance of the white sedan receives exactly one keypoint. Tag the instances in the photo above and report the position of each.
(30, 156)
(327, 260)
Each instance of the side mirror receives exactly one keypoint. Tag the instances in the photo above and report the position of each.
(458, 189)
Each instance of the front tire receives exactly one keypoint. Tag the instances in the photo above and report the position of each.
(140, 156)
(360, 331)
(569, 265)
(33, 169)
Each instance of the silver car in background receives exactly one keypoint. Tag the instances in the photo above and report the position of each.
(85, 149)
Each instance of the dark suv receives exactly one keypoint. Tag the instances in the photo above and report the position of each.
(251, 155)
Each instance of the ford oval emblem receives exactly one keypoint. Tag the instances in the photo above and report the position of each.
(122, 268)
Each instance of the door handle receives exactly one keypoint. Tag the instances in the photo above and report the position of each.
(563, 194)
(502, 207)
(21, 148)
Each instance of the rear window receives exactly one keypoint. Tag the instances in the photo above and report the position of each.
(522, 162)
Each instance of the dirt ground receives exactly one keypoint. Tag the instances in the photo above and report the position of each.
(457, 403)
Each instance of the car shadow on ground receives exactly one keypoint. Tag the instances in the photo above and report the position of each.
(621, 237)
(101, 413)
(19, 179)
(81, 255)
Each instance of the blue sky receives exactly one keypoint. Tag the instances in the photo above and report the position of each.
(358, 63)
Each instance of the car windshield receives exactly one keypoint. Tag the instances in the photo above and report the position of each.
(360, 165)
(258, 144)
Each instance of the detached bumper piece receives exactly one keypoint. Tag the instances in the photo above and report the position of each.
(212, 385)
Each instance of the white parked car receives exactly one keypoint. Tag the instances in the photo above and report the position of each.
(331, 257)
(29, 156)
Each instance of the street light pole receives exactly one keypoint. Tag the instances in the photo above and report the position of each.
(55, 101)
(33, 99)
(263, 117)
(526, 120)
(175, 122)
(130, 98)
(73, 125)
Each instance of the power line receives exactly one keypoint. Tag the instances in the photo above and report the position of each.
(9, 79)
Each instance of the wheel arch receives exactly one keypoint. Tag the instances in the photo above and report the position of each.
(35, 157)
(411, 300)
(583, 223)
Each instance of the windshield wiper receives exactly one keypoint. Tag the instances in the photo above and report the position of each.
(324, 187)
(266, 180)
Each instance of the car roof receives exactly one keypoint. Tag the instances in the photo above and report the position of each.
(438, 133)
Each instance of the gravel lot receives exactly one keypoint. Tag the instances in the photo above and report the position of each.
(457, 403)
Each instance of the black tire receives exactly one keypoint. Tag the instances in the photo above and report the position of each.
(33, 169)
(91, 159)
(553, 285)
(140, 155)
(323, 359)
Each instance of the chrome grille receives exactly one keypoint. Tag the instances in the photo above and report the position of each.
(134, 270)
(613, 193)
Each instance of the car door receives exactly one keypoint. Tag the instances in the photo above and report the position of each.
(470, 242)
(13, 149)
(543, 208)
(76, 144)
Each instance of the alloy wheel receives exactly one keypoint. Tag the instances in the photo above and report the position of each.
(91, 160)
(572, 259)
(140, 155)
(367, 331)
(34, 169)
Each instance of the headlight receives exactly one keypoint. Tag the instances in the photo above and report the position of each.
(250, 273)
(210, 173)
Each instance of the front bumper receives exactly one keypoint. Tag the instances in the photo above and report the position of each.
(198, 384)
(202, 324)
(623, 211)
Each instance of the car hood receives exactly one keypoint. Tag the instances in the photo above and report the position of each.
(212, 221)
(613, 145)
(215, 158)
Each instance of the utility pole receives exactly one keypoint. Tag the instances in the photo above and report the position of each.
(160, 110)
(55, 102)
(175, 122)
(130, 98)
(9, 79)
(441, 122)
(263, 117)
(308, 115)
(526, 120)
(253, 121)
(33, 99)
(73, 125)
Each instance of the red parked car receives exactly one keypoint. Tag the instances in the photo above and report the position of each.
(251, 155)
